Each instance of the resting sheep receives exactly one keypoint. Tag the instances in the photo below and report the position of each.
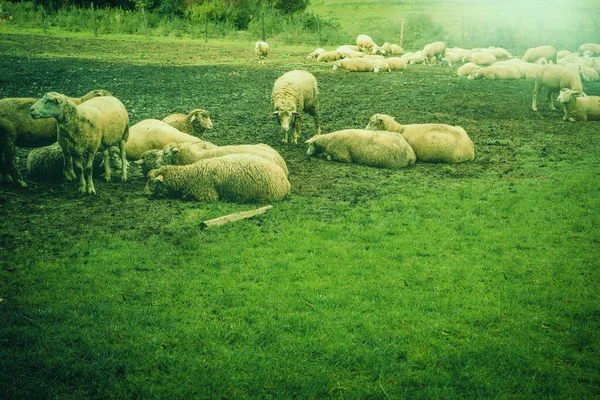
(480, 58)
(578, 107)
(366, 44)
(152, 134)
(467, 69)
(261, 49)
(495, 72)
(17, 128)
(396, 63)
(432, 143)
(293, 93)
(235, 177)
(194, 123)
(593, 48)
(316, 53)
(435, 49)
(356, 65)
(373, 148)
(534, 54)
(555, 78)
(330, 56)
(82, 130)
(391, 48)
(588, 74)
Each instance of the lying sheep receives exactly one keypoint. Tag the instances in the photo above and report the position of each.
(293, 93)
(396, 63)
(555, 78)
(329, 56)
(534, 54)
(432, 143)
(366, 44)
(261, 49)
(152, 134)
(391, 48)
(17, 128)
(588, 74)
(195, 123)
(316, 53)
(499, 52)
(593, 48)
(414, 58)
(467, 69)
(435, 49)
(240, 178)
(373, 148)
(578, 107)
(96, 124)
(356, 65)
(480, 58)
(495, 72)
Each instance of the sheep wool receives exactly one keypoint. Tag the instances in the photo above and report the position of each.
(195, 123)
(578, 107)
(373, 148)
(555, 78)
(242, 178)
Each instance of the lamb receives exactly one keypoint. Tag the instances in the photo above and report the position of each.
(373, 148)
(235, 177)
(82, 130)
(356, 65)
(534, 54)
(495, 72)
(330, 56)
(555, 78)
(17, 128)
(294, 92)
(593, 48)
(366, 44)
(261, 49)
(435, 49)
(432, 143)
(578, 107)
(152, 134)
(467, 69)
(195, 123)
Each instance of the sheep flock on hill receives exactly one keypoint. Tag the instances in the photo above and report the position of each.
(68, 133)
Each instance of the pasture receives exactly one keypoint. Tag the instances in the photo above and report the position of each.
(476, 280)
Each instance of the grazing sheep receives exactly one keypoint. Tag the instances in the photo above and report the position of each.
(235, 177)
(578, 107)
(593, 48)
(480, 58)
(96, 124)
(261, 49)
(373, 148)
(432, 143)
(294, 92)
(534, 54)
(17, 128)
(356, 65)
(555, 78)
(495, 72)
(366, 44)
(152, 134)
(435, 49)
(316, 53)
(194, 123)
(330, 56)
(467, 69)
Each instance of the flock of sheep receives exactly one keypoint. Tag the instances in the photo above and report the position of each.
(68, 133)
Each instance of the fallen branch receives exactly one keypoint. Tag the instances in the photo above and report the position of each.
(233, 217)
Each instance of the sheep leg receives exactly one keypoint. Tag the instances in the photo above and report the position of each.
(297, 132)
(551, 101)
(285, 137)
(8, 163)
(107, 170)
(68, 172)
(88, 173)
(123, 161)
(316, 118)
(536, 90)
(78, 162)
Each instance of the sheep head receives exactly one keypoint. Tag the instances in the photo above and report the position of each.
(567, 96)
(378, 122)
(285, 118)
(200, 120)
(155, 186)
(313, 149)
(48, 106)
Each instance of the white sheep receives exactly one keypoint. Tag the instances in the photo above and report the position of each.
(391, 48)
(366, 44)
(329, 56)
(235, 177)
(432, 143)
(195, 123)
(316, 53)
(17, 128)
(588, 74)
(467, 69)
(293, 93)
(396, 63)
(480, 58)
(261, 49)
(563, 53)
(96, 124)
(555, 78)
(593, 48)
(373, 148)
(414, 58)
(499, 52)
(534, 54)
(356, 65)
(579, 107)
(495, 72)
(435, 49)
(152, 134)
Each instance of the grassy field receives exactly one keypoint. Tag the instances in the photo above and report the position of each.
(477, 280)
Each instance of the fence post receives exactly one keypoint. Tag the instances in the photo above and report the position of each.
(205, 27)
(402, 34)
(145, 23)
(262, 22)
(94, 19)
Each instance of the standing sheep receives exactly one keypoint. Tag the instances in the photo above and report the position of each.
(293, 93)
(593, 48)
(435, 49)
(432, 143)
(261, 49)
(17, 128)
(366, 44)
(96, 124)
(373, 148)
(534, 54)
(555, 78)
(578, 107)
(194, 123)
(235, 177)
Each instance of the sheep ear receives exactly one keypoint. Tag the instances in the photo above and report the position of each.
(312, 139)
(296, 114)
(193, 118)
(159, 178)
(275, 114)
(175, 150)
(138, 162)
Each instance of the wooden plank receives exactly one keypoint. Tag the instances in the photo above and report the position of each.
(233, 217)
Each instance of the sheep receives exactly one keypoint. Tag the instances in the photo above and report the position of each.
(534, 54)
(366, 44)
(578, 107)
(499, 52)
(432, 143)
(555, 78)
(435, 49)
(82, 130)
(234, 177)
(480, 58)
(261, 49)
(414, 58)
(373, 148)
(467, 69)
(390, 48)
(562, 53)
(150, 134)
(316, 53)
(194, 123)
(17, 128)
(294, 92)
(356, 65)
(495, 72)
(396, 63)
(330, 56)
(588, 74)
(593, 48)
